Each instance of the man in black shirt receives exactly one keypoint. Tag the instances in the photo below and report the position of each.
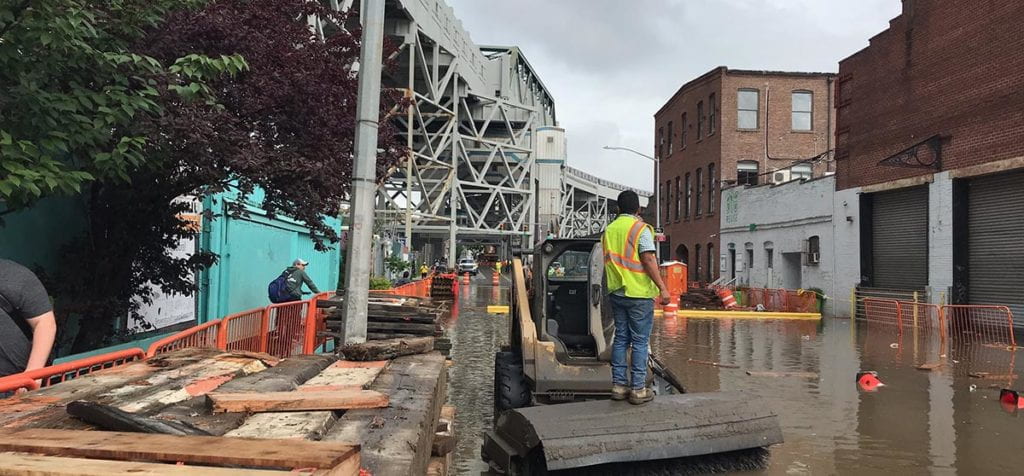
(27, 324)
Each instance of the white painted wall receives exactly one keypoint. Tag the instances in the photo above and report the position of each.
(786, 216)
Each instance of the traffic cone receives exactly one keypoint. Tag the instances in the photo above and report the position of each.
(868, 381)
(465, 278)
(728, 300)
(1010, 399)
(495, 277)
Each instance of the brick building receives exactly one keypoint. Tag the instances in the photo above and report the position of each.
(931, 132)
(729, 128)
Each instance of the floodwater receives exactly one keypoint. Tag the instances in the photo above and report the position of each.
(939, 421)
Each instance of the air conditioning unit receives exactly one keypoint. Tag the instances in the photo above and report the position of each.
(813, 258)
(780, 176)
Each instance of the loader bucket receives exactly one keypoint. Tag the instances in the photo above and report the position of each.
(574, 435)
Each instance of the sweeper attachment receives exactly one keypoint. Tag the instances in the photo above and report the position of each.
(552, 387)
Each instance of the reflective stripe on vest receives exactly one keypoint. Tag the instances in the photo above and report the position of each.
(623, 269)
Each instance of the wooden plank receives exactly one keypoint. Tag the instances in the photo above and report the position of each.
(444, 436)
(254, 452)
(397, 440)
(388, 349)
(20, 464)
(411, 328)
(295, 401)
(285, 376)
(341, 375)
(94, 384)
(106, 417)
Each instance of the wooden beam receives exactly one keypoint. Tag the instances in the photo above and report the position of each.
(388, 349)
(397, 440)
(20, 464)
(106, 417)
(251, 452)
(295, 401)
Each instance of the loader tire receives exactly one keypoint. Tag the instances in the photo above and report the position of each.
(510, 387)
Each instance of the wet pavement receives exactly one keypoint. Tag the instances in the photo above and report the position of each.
(938, 421)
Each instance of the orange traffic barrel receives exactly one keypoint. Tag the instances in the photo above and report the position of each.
(495, 277)
(727, 298)
(465, 278)
(670, 309)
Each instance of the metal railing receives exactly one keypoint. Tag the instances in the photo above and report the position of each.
(46, 376)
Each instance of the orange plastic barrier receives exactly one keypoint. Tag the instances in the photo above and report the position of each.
(245, 330)
(885, 311)
(986, 324)
(203, 335)
(58, 373)
(286, 329)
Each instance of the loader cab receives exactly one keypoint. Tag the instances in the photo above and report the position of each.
(570, 276)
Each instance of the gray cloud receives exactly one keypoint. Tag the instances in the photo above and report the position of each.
(611, 63)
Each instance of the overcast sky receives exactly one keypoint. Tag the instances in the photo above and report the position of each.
(611, 64)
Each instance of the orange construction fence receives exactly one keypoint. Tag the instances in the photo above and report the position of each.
(46, 376)
(780, 300)
(281, 330)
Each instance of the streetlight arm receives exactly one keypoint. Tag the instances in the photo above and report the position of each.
(627, 149)
(657, 183)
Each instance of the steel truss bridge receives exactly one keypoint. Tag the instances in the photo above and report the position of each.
(487, 158)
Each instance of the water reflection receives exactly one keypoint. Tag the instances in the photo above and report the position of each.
(922, 421)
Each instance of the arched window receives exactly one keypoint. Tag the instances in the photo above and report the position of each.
(682, 254)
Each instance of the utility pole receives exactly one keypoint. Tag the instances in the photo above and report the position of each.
(364, 177)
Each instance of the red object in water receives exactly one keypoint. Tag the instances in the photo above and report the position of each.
(868, 381)
(1011, 399)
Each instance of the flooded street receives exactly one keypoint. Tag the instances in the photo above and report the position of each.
(939, 421)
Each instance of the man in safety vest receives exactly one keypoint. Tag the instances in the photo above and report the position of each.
(634, 281)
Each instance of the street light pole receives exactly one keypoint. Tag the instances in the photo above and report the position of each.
(657, 196)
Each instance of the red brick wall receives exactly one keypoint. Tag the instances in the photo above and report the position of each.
(727, 145)
(953, 68)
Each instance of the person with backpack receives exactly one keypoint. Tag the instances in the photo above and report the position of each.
(288, 286)
(27, 324)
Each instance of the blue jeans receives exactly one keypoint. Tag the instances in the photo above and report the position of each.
(634, 319)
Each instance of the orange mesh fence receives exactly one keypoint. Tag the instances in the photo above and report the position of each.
(985, 324)
(286, 331)
(245, 330)
(58, 373)
(203, 335)
(801, 301)
(420, 288)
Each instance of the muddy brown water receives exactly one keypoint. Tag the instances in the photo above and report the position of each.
(940, 421)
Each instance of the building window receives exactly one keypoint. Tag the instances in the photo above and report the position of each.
(677, 198)
(747, 103)
(800, 171)
(803, 105)
(711, 262)
(746, 172)
(661, 193)
(700, 120)
(712, 185)
(682, 133)
(667, 200)
(711, 114)
(661, 141)
(699, 183)
(668, 138)
(687, 192)
(813, 250)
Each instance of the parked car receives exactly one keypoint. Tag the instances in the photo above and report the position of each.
(468, 265)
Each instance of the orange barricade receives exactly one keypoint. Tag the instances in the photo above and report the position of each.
(203, 335)
(984, 324)
(245, 330)
(886, 311)
(58, 373)
(286, 330)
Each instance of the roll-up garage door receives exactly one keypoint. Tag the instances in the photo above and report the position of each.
(899, 230)
(995, 259)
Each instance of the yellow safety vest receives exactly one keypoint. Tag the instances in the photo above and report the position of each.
(622, 267)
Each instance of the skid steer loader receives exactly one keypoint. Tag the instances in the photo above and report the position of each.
(552, 384)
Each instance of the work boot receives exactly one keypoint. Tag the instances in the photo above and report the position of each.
(641, 396)
(620, 392)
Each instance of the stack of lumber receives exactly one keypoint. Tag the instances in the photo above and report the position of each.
(443, 286)
(394, 317)
(229, 413)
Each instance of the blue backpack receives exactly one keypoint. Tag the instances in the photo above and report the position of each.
(278, 289)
